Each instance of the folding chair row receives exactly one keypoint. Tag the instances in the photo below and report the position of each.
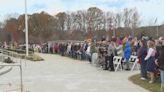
(117, 61)
(134, 60)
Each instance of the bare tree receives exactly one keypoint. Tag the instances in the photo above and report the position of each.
(1, 25)
(68, 21)
(95, 16)
(110, 19)
(118, 19)
(12, 27)
(135, 20)
(77, 21)
(127, 14)
(84, 20)
(61, 17)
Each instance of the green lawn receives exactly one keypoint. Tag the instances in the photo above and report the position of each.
(155, 87)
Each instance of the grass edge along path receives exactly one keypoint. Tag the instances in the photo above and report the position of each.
(155, 87)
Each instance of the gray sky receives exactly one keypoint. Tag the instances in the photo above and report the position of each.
(149, 9)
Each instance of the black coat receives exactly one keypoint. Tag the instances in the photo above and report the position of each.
(158, 49)
(142, 54)
(161, 58)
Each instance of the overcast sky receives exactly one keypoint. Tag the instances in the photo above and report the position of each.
(148, 9)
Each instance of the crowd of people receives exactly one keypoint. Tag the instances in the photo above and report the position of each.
(150, 53)
(106, 50)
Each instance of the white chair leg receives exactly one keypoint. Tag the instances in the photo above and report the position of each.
(138, 66)
(133, 66)
(117, 67)
(121, 67)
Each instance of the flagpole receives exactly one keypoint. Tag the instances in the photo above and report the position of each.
(26, 28)
(157, 29)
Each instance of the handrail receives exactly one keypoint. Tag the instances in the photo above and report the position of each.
(11, 54)
(10, 64)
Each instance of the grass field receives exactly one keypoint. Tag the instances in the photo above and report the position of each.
(155, 87)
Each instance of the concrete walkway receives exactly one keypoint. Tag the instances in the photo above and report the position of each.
(61, 74)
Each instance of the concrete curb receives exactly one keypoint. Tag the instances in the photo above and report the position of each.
(5, 70)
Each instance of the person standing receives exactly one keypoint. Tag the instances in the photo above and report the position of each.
(119, 49)
(88, 52)
(69, 49)
(150, 58)
(85, 46)
(160, 63)
(119, 52)
(127, 54)
(141, 55)
(110, 55)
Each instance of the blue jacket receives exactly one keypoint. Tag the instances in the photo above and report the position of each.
(127, 51)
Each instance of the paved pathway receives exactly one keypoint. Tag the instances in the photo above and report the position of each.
(62, 74)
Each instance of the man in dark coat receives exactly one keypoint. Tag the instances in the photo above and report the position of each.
(160, 62)
(141, 55)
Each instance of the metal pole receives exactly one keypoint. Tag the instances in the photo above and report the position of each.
(21, 84)
(157, 31)
(26, 28)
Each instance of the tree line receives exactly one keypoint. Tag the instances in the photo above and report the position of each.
(44, 27)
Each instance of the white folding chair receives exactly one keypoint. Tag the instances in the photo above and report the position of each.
(134, 60)
(117, 63)
(94, 58)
